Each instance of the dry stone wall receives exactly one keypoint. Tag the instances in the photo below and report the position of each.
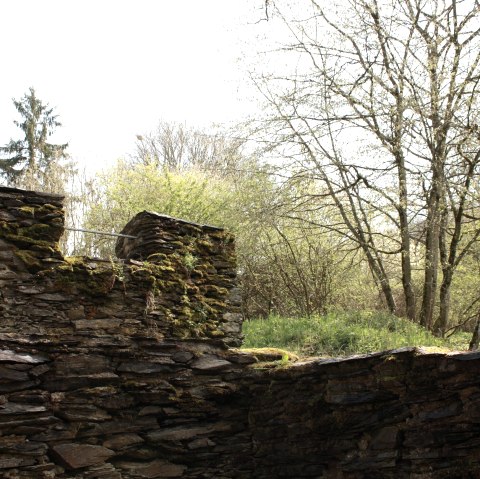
(127, 369)
(195, 273)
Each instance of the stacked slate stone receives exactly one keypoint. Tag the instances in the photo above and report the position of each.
(166, 410)
(95, 384)
(196, 267)
(31, 224)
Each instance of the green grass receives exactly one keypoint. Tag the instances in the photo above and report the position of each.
(338, 334)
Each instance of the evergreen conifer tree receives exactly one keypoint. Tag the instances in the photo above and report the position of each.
(33, 154)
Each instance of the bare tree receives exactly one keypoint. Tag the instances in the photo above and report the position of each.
(381, 109)
(176, 147)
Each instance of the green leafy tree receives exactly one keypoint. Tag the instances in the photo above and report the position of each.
(284, 266)
(124, 190)
(33, 155)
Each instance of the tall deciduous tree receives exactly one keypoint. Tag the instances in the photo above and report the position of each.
(176, 147)
(381, 108)
(33, 154)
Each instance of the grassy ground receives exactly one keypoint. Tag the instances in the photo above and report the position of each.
(338, 334)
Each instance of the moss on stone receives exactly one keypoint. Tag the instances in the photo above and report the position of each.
(271, 354)
(216, 333)
(6, 228)
(75, 260)
(215, 304)
(26, 241)
(217, 291)
(29, 211)
(38, 231)
(76, 275)
(157, 257)
(31, 262)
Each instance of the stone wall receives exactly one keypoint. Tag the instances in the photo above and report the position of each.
(124, 369)
(30, 227)
(195, 271)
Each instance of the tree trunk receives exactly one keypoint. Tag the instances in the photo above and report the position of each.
(473, 346)
(408, 292)
(388, 295)
(410, 308)
(380, 276)
(447, 259)
(442, 321)
(431, 263)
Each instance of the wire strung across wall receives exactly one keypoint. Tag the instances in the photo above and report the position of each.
(101, 233)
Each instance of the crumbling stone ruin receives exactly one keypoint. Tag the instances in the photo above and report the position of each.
(129, 368)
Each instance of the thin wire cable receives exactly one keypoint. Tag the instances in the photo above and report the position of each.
(101, 233)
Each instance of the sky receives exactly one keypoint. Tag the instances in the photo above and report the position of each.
(112, 69)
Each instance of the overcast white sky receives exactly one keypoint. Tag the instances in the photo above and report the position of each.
(113, 68)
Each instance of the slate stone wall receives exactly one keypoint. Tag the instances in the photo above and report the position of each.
(195, 269)
(30, 226)
(108, 370)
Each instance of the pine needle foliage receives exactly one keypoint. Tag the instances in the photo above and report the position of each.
(32, 154)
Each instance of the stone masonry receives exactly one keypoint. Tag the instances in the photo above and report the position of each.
(128, 368)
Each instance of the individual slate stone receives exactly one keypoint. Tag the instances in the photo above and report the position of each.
(201, 443)
(12, 374)
(179, 433)
(23, 409)
(92, 324)
(182, 356)
(53, 297)
(121, 441)
(144, 367)
(12, 356)
(211, 363)
(154, 469)
(102, 471)
(81, 455)
(9, 461)
(386, 438)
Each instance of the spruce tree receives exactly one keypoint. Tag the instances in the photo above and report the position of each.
(33, 154)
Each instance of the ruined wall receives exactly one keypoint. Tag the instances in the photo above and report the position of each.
(123, 369)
